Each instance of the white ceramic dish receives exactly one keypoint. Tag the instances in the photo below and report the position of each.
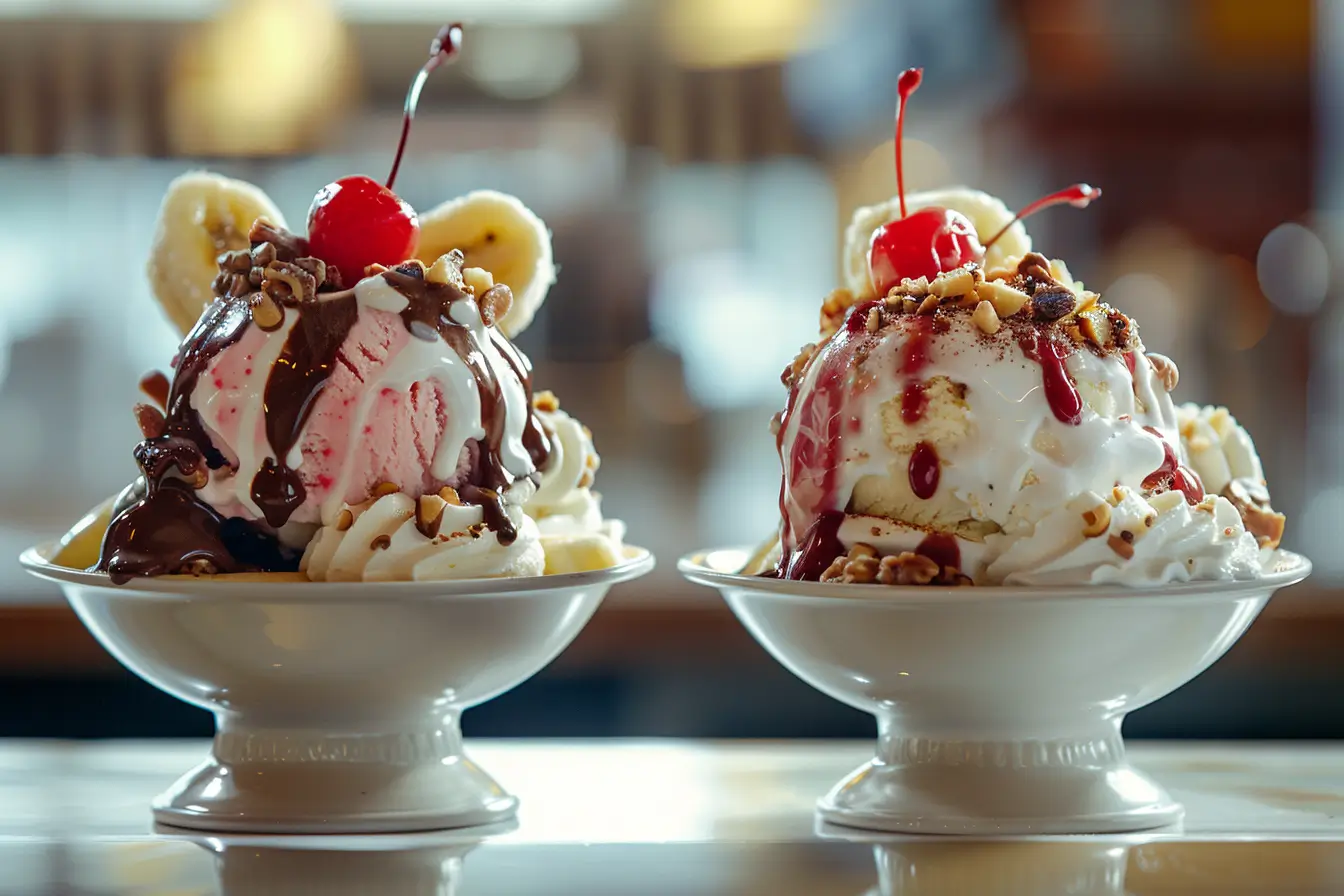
(998, 708)
(337, 705)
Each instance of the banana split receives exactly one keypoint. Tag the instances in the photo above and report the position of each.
(348, 403)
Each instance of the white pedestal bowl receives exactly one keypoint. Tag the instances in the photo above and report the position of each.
(337, 705)
(998, 708)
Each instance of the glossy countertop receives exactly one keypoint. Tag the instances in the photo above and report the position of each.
(671, 817)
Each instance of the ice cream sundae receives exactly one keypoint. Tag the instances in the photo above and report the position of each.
(972, 414)
(347, 404)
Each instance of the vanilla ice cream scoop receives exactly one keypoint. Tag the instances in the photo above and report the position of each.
(1001, 427)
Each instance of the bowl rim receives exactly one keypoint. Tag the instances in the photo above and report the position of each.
(36, 560)
(1290, 568)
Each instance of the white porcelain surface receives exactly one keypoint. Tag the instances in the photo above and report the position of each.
(337, 705)
(998, 709)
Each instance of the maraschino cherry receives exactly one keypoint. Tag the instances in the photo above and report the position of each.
(928, 242)
(356, 221)
(1078, 196)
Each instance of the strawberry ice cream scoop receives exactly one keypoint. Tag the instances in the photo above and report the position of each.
(367, 426)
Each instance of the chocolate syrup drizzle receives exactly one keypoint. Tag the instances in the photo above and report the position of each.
(171, 530)
(296, 379)
(427, 315)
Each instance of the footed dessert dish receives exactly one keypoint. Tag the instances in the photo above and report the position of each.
(355, 518)
(973, 415)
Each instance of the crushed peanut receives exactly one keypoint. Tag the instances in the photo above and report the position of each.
(266, 311)
(384, 489)
(874, 322)
(1097, 520)
(478, 280)
(959, 282)
(986, 318)
(1006, 300)
(1120, 546)
(429, 514)
(450, 496)
(344, 520)
(546, 401)
(833, 309)
(929, 305)
(495, 303)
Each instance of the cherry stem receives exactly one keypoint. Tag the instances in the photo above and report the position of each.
(1078, 196)
(906, 84)
(443, 48)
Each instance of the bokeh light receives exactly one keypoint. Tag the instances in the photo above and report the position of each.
(1294, 269)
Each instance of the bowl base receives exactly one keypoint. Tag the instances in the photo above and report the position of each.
(297, 782)
(987, 788)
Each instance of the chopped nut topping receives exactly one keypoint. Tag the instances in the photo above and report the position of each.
(862, 565)
(429, 514)
(266, 311)
(299, 283)
(1166, 371)
(381, 543)
(546, 401)
(478, 280)
(1097, 520)
(909, 306)
(929, 305)
(874, 322)
(959, 282)
(495, 303)
(156, 387)
(833, 309)
(1251, 499)
(1120, 546)
(344, 520)
(447, 270)
(384, 489)
(986, 318)
(1006, 300)
(450, 496)
(794, 372)
(150, 420)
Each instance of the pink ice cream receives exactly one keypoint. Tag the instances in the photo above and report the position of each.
(358, 435)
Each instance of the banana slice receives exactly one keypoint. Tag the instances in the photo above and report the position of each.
(203, 215)
(987, 213)
(80, 547)
(579, 553)
(500, 234)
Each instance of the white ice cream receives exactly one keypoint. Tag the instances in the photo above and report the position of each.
(382, 543)
(568, 512)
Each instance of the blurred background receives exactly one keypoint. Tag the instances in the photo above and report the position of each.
(697, 161)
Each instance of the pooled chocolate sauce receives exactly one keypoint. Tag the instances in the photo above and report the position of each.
(168, 529)
(296, 379)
